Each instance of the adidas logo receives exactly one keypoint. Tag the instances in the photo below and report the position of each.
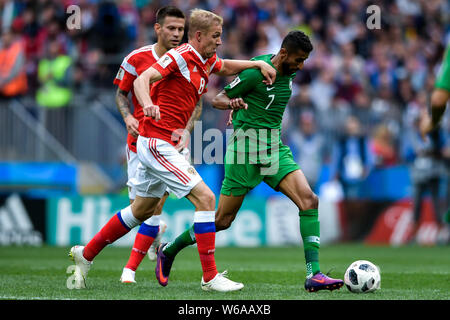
(15, 224)
(195, 69)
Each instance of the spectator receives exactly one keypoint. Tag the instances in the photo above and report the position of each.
(332, 121)
(300, 102)
(362, 109)
(13, 79)
(308, 147)
(425, 160)
(383, 148)
(323, 90)
(352, 160)
(386, 110)
(347, 87)
(54, 72)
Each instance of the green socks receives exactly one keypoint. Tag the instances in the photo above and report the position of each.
(185, 239)
(310, 232)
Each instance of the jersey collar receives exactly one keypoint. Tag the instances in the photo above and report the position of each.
(198, 54)
(154, 53)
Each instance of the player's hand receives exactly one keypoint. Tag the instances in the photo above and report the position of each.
(237, 103)
(183, 141)
(132, 125)
(230, 118)
(269, 73)
(152, 111)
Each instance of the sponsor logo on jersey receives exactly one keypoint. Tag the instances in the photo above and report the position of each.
(195, 69)
(270, 88)
(235, 82)
(164, 61)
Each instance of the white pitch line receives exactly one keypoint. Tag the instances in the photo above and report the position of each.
(30, 298)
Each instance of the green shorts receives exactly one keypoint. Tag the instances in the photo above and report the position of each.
(443, 78)
(240, 178)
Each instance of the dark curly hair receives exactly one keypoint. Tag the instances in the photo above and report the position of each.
(296, 40)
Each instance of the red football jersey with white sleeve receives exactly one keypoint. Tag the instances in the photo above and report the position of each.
(185, 77)
(132, 66)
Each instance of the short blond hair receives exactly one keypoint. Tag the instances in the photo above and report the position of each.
(202, 20)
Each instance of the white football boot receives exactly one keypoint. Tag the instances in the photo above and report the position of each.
(221, 283)
(82, 266)
(127, 276)
(152, 250)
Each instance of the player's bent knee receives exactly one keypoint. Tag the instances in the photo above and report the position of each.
(207, 201)
(223, 223)
(310, 202)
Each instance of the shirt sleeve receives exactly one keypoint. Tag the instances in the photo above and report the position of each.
(125, 76)
(216, 64)
(166, 64)
(243, 83)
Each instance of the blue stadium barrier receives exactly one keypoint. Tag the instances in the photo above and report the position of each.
(38, 179)
(391, 183)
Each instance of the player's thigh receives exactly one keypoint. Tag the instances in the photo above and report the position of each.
(160, 205)
(166, 164)
(202, 197)
(296, 187)
(227, 210)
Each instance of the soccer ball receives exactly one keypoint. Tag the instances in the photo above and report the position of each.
(362, 276)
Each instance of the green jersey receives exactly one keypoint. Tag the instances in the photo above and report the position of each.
(443, 78)
(266, 104)
(255, 152)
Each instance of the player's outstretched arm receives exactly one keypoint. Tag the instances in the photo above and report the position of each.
(123, 105)
(223, 102)
(142, 92)
(232, 67)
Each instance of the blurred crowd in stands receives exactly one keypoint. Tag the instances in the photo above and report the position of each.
(355, 106)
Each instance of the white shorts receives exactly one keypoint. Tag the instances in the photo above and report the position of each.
(132, 164)
(162, 168)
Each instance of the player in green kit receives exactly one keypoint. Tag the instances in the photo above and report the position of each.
(255, 154)
(439, 99)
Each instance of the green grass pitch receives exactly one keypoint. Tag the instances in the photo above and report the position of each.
(407, 273)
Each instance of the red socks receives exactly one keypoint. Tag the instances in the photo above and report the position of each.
(115, 228)
(144, 239)
(205, 234)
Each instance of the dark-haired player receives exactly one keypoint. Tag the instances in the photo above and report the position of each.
(257, 113)
(169, 28)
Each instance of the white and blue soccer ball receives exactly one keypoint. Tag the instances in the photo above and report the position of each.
(362, 276)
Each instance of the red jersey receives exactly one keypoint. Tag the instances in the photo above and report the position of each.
(132, 66)
(185, 78)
